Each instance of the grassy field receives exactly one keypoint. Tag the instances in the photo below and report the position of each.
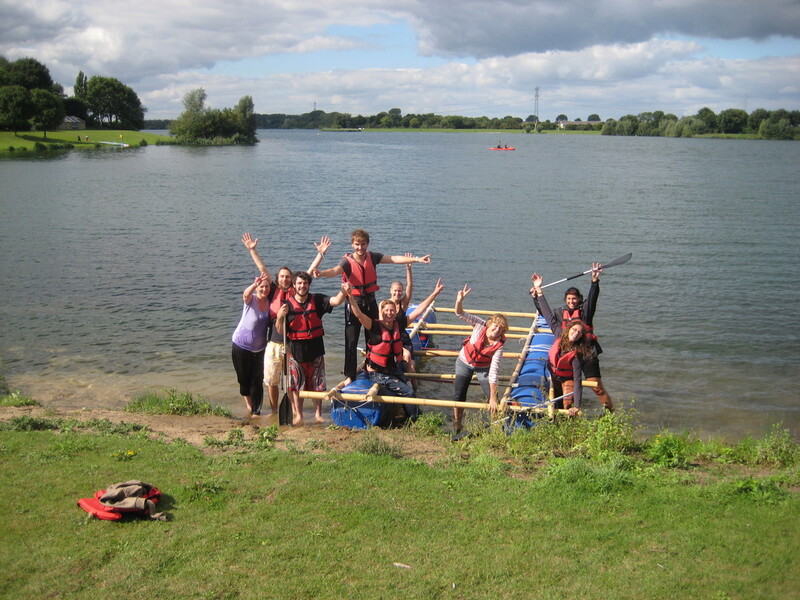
(570, 510)
(61, 140)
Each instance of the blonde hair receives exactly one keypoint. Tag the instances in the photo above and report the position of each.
(385, 302)
(500, 320)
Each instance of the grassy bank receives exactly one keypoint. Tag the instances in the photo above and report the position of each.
(33, 141)
(573, 510)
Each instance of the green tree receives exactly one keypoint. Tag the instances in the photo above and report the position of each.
(48, 110)
(709, 120)
(776, 129)
(732, 120)
(755, 118)
(112, 103)
(561, 117)
(593, 117)
(79, 91)
(15, 108)
(30, 74)
(246, 118)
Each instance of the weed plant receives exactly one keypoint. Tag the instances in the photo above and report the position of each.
(170, 402)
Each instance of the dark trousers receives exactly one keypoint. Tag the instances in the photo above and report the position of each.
(250, 374)
(352, 329)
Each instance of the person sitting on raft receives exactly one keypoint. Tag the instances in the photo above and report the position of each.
(249, 341)
(568, 353)
(481, 353)
(384, 362)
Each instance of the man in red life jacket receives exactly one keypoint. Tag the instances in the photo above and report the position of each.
(279, 292)
(301, 315)
(480, 354)
(358, 268)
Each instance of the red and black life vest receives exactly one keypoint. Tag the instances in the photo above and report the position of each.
(304, 321)
(279, 296)
(480, 355)
(363, 278)
(391, 345)
(567, 316)
(561, 362)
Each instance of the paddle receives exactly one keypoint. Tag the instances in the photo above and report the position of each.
(619, 261)
(285, 407)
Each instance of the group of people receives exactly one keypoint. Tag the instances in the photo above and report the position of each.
(280, 333)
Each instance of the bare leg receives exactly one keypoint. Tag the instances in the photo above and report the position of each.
(318, 410)
(602, 394)
(273, 398)
(249, 403)
(297, 407)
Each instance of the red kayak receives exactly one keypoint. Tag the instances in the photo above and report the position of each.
(506, 148)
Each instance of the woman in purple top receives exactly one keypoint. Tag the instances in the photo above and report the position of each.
(249, 343)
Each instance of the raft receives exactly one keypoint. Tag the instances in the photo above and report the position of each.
(524, 394)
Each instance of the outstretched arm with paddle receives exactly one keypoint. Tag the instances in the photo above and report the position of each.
(618, 261)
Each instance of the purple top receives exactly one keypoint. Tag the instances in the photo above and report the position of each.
(251, 332)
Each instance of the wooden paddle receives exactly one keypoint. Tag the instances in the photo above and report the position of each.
(617, 261)
(285, 407)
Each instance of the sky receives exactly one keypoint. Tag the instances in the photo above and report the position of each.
(449, 57)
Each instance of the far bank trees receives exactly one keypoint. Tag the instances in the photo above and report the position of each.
(200, 125)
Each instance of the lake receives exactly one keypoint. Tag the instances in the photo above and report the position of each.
(122, 269)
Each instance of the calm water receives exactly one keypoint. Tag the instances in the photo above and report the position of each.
(123, 269)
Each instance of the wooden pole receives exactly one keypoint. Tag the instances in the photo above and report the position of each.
(492, 312)
(437, 352)
(465, 327)
(370, 397)
(436, 331)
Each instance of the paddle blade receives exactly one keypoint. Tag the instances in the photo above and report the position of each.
(619, 261)
(285, 411)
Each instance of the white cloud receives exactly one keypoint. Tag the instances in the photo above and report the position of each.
(603, 56)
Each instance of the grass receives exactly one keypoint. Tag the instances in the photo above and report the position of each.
(270, 524)
(574, 509)
(35, 141)
(170, 402)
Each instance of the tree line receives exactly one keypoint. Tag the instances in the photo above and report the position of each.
(776, 124)
(30, 99)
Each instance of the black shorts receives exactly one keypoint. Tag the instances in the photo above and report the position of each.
(591, 368)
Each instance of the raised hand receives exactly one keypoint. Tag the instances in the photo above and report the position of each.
(249, 242)
(323, 245)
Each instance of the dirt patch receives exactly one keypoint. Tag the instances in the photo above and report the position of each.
(196, 429)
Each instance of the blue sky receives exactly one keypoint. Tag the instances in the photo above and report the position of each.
(474, 57)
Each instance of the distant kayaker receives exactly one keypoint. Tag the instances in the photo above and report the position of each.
(279, 292)
(480, 354)
(301, 315)
(358, 268)
(576, 308)
(567, 354)
(249, 341)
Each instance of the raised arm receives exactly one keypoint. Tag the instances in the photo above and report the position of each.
(280, 318)
(594, 291)
(247, 294)
(332, 272)
(423, 306)
(542, 305)
(251, 244)
(406, 259)
(322, 248)
(460, 294)
(409, 285)
(362, 318)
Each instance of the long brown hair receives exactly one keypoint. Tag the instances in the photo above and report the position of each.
(583, 346)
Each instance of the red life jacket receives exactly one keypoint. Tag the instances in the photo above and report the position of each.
(480, 355)
(575, 315)
(278, 298)
(304, 322)
(561, 362)
(391, 344)
(364, 279)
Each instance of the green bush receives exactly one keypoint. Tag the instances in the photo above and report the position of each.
(670, 450)
(170, 402)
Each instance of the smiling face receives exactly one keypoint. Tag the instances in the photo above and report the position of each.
(396, 291)
(284, 278)
(262, 289)
(388, 311)
(360, 247)
(301, 286)
(575, 333)
(572, 301)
